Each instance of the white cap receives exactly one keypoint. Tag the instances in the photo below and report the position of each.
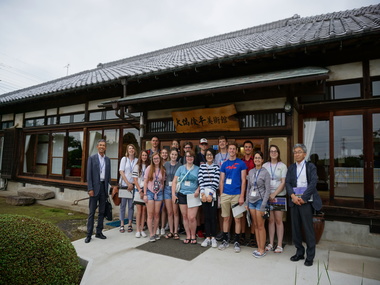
(203, 140)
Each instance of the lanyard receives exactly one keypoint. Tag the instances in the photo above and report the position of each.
(298, 175)
(273, 172)
(131, 164)
(100, 163)
(256, 176)
(157, 175)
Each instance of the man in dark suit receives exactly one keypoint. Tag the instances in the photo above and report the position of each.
(98, 179)
(301, 181)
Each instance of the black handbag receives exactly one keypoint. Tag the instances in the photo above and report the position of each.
(108, 210)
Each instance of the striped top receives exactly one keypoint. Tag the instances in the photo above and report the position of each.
(208, 176)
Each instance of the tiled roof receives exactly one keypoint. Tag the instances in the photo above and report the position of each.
(283, 34)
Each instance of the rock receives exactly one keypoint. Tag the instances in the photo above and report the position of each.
(20, 200)
(37, 193)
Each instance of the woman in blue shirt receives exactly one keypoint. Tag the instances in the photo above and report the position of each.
(187, 174)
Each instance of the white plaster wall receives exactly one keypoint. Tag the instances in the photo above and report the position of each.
(345, 71)
(7, 117)
(39, 113)
(374, 67)
(72, 108)
(19, 119)
(51, 112)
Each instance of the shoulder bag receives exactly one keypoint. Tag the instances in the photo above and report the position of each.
(178, 186)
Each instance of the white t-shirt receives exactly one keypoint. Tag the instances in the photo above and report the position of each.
(277, 172)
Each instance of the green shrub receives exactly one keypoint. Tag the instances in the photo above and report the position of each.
(33, 251)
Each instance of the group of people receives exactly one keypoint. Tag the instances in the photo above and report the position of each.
(218, 184)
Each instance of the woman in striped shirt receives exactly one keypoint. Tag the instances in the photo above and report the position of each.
(208, 178)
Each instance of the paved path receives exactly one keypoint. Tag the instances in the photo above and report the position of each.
(117, 261)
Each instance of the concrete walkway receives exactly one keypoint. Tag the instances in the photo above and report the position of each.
(117, 261)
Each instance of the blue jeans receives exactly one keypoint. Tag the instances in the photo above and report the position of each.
(256, 205)
(151, 195)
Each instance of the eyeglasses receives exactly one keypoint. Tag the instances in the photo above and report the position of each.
(187, 147)
(298, 152)
(273, 151)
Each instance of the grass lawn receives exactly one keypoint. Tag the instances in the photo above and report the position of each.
(68, 221)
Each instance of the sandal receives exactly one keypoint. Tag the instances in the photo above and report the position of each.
(279, 249)
(176, 236)
(122, 229)
(130, 229)
(186, 241)
(269, 247)
(169, 235)
(193, 241)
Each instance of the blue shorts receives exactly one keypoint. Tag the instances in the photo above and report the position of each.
(150, 195)
(256, 205)
(167, 193)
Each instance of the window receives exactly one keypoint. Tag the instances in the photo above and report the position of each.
(51, 120)
(58, 142)
(35, 122)
(36, 154)
(261, 120)
(74, 154)
(376, 88)
(103, 115)
(6, 125)
(316, 140)
(345, 91)
(73, 118)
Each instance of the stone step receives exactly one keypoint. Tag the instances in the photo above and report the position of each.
(20, 200)
(37, 193)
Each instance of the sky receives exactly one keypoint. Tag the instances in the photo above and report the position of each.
(42, 40)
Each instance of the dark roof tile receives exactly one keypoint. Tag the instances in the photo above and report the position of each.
(280, 34)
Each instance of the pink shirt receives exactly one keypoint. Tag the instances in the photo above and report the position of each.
(150, 182)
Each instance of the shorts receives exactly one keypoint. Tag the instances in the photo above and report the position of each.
(226, 202)
(182, 198)
(167, 193)
(151, 195)
(256, 205)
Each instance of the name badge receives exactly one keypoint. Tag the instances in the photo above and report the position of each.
(187, 183)
(229, 181)
(253, 193)
(170, 184)
(273, 183)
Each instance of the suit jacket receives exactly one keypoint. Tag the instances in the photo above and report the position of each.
(93, 173)
(312, 179)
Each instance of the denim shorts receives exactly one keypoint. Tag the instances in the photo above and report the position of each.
(256, 205)
(150, 195)
(167, 193)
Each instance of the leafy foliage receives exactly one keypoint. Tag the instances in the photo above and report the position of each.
(35, 252)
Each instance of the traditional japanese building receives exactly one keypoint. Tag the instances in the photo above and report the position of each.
(314, 80)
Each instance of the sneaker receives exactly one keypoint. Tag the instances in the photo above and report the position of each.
(237, 247)
(257, 254)
(206, 242)
(157, 237)
(158, 231)
(152, 239)
(214, 243)
(162, 231)
(200, 234)
(138, 234)
(143, 234)
(223, 245)
(219, 236)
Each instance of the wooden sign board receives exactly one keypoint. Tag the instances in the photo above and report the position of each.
(206, 120)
